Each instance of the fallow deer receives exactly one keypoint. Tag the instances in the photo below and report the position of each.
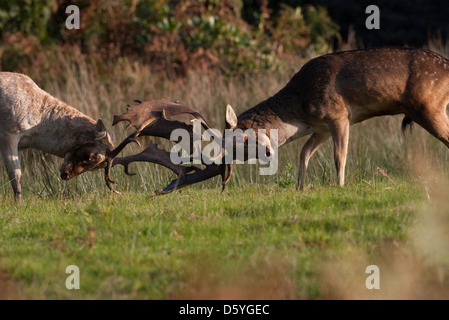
(334, 91)
(329, 94)
(32, 118)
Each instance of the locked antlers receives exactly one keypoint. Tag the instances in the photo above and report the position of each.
(150, 119)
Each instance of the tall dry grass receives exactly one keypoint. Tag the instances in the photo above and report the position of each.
(102, 92)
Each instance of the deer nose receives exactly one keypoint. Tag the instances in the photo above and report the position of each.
(64, 176)
(268, 152)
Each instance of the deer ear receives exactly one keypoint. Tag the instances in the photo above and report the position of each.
(100, 125)
(100, 130)
(231, 118)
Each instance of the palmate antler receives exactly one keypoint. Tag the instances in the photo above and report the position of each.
(150, 119)
(187, 175)
(145, 113)
(153, 154)
(199, 175)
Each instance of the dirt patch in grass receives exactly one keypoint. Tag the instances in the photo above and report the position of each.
(8, 289)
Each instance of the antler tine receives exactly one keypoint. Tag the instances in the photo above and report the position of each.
(225, 178)
(111, 155)
(131, 138)
(107, 177)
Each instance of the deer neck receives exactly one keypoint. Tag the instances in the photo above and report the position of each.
(271, 115)
(60, 128)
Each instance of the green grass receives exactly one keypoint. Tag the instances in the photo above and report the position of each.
(254, 241)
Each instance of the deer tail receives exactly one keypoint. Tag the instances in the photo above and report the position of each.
(407, 122)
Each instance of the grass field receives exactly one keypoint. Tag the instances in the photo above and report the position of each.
(259, 239)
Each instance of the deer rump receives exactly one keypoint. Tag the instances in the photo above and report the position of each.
(149, 118)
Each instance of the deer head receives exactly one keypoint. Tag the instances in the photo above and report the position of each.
(89, 154)
(95, 152)
(241, 139)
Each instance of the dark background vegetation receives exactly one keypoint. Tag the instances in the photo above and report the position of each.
(403, 22)
(230, 36)
(170, 36)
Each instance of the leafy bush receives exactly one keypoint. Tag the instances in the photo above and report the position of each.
(26, 16)
(172, 37)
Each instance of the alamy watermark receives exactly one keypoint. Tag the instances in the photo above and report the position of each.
(73, 20)
(235, 146)
(373, 280)
(73, 280)
(373, 20)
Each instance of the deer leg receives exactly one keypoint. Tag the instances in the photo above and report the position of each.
(340, 135)
(436, 124)
(11, 157)
(315, 141)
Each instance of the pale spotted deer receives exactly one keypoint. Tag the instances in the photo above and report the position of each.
(336, 90)
(32, 118)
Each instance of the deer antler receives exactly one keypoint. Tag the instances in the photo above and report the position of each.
(145, 113)
(199, 175)
(153, 154)
(111, 155)
(187, 175)
(150, 119)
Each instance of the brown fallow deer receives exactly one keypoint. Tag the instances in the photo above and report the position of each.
(334, 91)
(32, 118)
